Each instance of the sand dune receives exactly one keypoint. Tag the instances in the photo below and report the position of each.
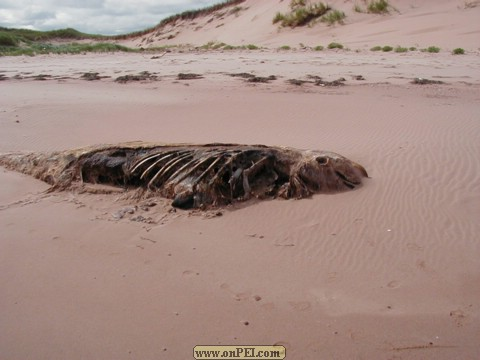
(446, 23)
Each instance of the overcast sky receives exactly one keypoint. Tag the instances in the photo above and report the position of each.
(106, 17)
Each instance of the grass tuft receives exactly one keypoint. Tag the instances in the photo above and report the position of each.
(458, 51)
(318, 48)
(400, 49)
(432, 49)
(334, 16)
(378, 7)
(334, 45)
(301, 13)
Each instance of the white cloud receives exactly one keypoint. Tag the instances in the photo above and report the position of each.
(92, 16)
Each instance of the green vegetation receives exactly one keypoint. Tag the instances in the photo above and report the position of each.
(432, 49)
(388, 48)
(378, 7)
(334, 16)
(400, 49)
(412, 48)
(72, 48)
(458, 51)
(297, 3)
(302, 13)
(318, 48)
(7, 40)
(334, 45)
(212, 45)
(17, 36)
(31, 42)
(284, 47)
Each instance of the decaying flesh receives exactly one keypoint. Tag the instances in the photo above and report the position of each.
(195, 176)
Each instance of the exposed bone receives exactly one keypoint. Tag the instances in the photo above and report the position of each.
(167, 167)
(195, 167)
(147, 170)
(197, 180)
(228, 163)
(251, 171)
(175, 153)
(144, 160)
(180, 169)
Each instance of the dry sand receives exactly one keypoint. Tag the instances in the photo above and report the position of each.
(388, 271)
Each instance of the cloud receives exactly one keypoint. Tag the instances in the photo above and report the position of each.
(106, 17)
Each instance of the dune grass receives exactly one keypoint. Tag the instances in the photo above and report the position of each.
(72, 48)
(388, 48)
(15, 42)
(378, 7)
(458, 51)
(212, 45)
(334, 16)
(301, 13)
(13, 37)
(401, 49)
(431, 49)
(335, 45)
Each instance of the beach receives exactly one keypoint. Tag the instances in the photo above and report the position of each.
(389, 270)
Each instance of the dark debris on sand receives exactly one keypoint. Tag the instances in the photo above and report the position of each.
(423, 81)
(262, 79)
(243, 75)
(42, 77)
(189, 76)
(90, 76)
(253, 78)
(317, 81)
(143, 76)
